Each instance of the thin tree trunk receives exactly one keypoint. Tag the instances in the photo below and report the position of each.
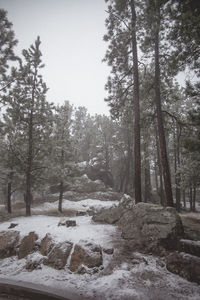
(60, 197)
(184, 200)
(161, 133)
(137, 155)
(61, 183)
(191, 198)
(9, 189)
(161, 193)
(194, 199)
(177, 169)
(147, 176)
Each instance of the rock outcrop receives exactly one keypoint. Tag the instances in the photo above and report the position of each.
(185, 265)
(85, 185)
(34, 261)
(57, 258)
(46, 244)
(8, 243)
(113, 214)
(27, 245)
(148, 224)
(85, 254)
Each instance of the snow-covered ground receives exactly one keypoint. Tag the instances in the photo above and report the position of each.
(82, 205)
(132, 277)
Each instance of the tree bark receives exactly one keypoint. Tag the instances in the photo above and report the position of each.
(161, 133)
(137, 155)
(161, 193)
(61, 183)
(9, 189)
(28, 194)
(177, 169)
(60, 197)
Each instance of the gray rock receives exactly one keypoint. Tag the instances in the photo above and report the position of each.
(148, 224)
(27, 245)
(184, 265)
(85, 254)
(108, 250)
(58, 256)
(190, 247)
(108, 215)
(12, 225)
(84, 185)
(46, 244)
(113, 214)
(34, 261)
(8, 243)
(67, 223)
(81, 213)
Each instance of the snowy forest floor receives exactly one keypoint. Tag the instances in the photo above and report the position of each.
(126, 274)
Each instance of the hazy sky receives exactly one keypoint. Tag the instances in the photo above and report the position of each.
(71, 33)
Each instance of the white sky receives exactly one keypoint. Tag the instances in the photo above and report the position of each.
(71, 33)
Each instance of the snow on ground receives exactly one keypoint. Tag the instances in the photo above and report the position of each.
(85, 229)
(82, 205)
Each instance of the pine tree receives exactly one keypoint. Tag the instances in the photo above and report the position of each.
(7, 44)
(62, 153)
(123, 86)
(32, 117)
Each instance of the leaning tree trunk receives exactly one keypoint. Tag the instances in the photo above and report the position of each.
(137, 155)
(161, 132)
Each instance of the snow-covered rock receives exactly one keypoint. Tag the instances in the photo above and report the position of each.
(8, 243)
(113, 214)
(148, 224)
(34, 261)
(47, 244)
(57, 258)
(27, 245)
(87, 254)
(185, 265)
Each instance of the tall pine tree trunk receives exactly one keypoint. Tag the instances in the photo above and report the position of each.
(61, 183)
(9, 189)
(161, 194)
(177, 169)
(137, 155)
(28, 194)
(60, 197)
(161, 132)
(29, 167)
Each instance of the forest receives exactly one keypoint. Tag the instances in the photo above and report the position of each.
(149, 146)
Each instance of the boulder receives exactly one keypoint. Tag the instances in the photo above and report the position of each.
(27, 245)
(58, 256)
(85, 254)
(112, 214)
(34, 261)
(190, 247)
(67, 223)
(184, 265)
(84, 185)
(46, 244)
(98, 173)
(81, 213)
(8, 243)
(108, 250)
(149, 224)
(12, 225)
(108, 215)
